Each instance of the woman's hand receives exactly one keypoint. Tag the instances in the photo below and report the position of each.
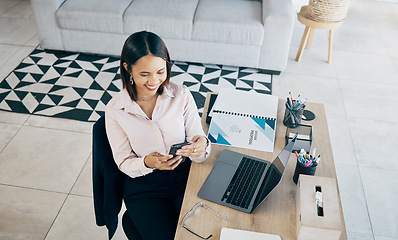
(195, 149)
(162, 162)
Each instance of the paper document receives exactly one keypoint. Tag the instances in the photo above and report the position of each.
(235, 234)
(244, 119)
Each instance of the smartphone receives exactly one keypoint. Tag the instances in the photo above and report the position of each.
(175, 147)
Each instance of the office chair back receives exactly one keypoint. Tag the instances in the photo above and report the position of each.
(108, 183)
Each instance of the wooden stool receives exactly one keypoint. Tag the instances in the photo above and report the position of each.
(309, 31)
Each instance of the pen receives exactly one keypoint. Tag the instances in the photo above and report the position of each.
(313, 152)
(301, 104)
(291, 113)
(291, 97)
(290, 102)
(308, 163)
(314, 164)
(301, 161)
(296, 105)
(287, 105)
(292, 116)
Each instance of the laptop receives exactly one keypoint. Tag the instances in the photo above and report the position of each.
(243, 182)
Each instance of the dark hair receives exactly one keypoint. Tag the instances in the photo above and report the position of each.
(138, 45)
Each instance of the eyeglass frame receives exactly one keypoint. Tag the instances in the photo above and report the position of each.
(197, 205)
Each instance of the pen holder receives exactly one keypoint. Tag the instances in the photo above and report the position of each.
(292, 118)
(301, 169)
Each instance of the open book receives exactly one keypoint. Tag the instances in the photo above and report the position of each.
(244, 119)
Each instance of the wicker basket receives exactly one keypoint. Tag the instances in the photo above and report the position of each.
(327, 10)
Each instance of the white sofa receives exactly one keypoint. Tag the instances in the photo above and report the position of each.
(247, 33)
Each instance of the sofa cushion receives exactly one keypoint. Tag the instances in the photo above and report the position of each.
(233, 21)
(93, 15)
(167, 18)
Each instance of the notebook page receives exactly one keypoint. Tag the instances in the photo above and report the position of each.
(248, 103)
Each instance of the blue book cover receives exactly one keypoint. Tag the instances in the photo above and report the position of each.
(244, 119)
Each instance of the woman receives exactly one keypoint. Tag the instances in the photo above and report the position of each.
(142, 121)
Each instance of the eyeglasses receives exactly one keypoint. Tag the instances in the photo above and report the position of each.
(196, 206)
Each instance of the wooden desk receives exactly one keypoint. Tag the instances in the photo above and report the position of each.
(277, 214)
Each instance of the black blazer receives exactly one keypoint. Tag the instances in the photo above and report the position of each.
(108, 180)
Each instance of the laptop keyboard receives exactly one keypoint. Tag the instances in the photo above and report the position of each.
(244, 182)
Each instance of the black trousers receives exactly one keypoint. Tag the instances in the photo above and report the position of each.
(154, 201)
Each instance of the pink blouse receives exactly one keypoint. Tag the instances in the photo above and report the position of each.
(132, 135)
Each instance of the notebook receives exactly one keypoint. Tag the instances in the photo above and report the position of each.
(243, 182)
(244, 119)
(235, 234)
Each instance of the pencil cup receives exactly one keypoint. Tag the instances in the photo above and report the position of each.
(292, 118)
(301, 169)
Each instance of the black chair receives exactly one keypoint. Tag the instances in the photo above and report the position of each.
(108, 183)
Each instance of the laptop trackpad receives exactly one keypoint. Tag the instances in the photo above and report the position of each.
(217, 181)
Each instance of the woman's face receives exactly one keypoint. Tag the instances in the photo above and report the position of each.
(149, 72)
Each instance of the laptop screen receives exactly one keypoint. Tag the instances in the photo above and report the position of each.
(272, 178)
(275, 172)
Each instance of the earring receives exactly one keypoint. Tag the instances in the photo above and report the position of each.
(131, 79)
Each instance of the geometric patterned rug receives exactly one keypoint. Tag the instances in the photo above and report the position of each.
(78, 86)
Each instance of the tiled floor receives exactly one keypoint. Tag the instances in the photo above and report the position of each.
(45, 163)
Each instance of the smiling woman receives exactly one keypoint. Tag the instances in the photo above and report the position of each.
(146, 78)
(143, 121)
(148, 55)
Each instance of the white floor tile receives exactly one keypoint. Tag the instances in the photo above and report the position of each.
(76, 221)
(22, 10)
(360, 14)
(84, 183)
(6, 52)
(60, 124)
(44, 158)
(358, 40)
(380, 188)
(341, 140)
(370, 100)
(17, 30)
(359, 236)
(353, 199)
(7, 132)
(377, 237)
(395, 61)
(6, 5)
(375, 142)
(27, 213)
(365, 67)
(33, 42)
(390, 40)
(11, 117)
(386, 25)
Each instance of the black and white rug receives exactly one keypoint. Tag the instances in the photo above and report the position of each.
(78, 86)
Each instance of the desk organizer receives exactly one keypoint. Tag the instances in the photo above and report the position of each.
(292, 118)
(304, 138)
(317, 209)
(302, 170)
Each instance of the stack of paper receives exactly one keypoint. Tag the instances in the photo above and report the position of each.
(244, 119)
